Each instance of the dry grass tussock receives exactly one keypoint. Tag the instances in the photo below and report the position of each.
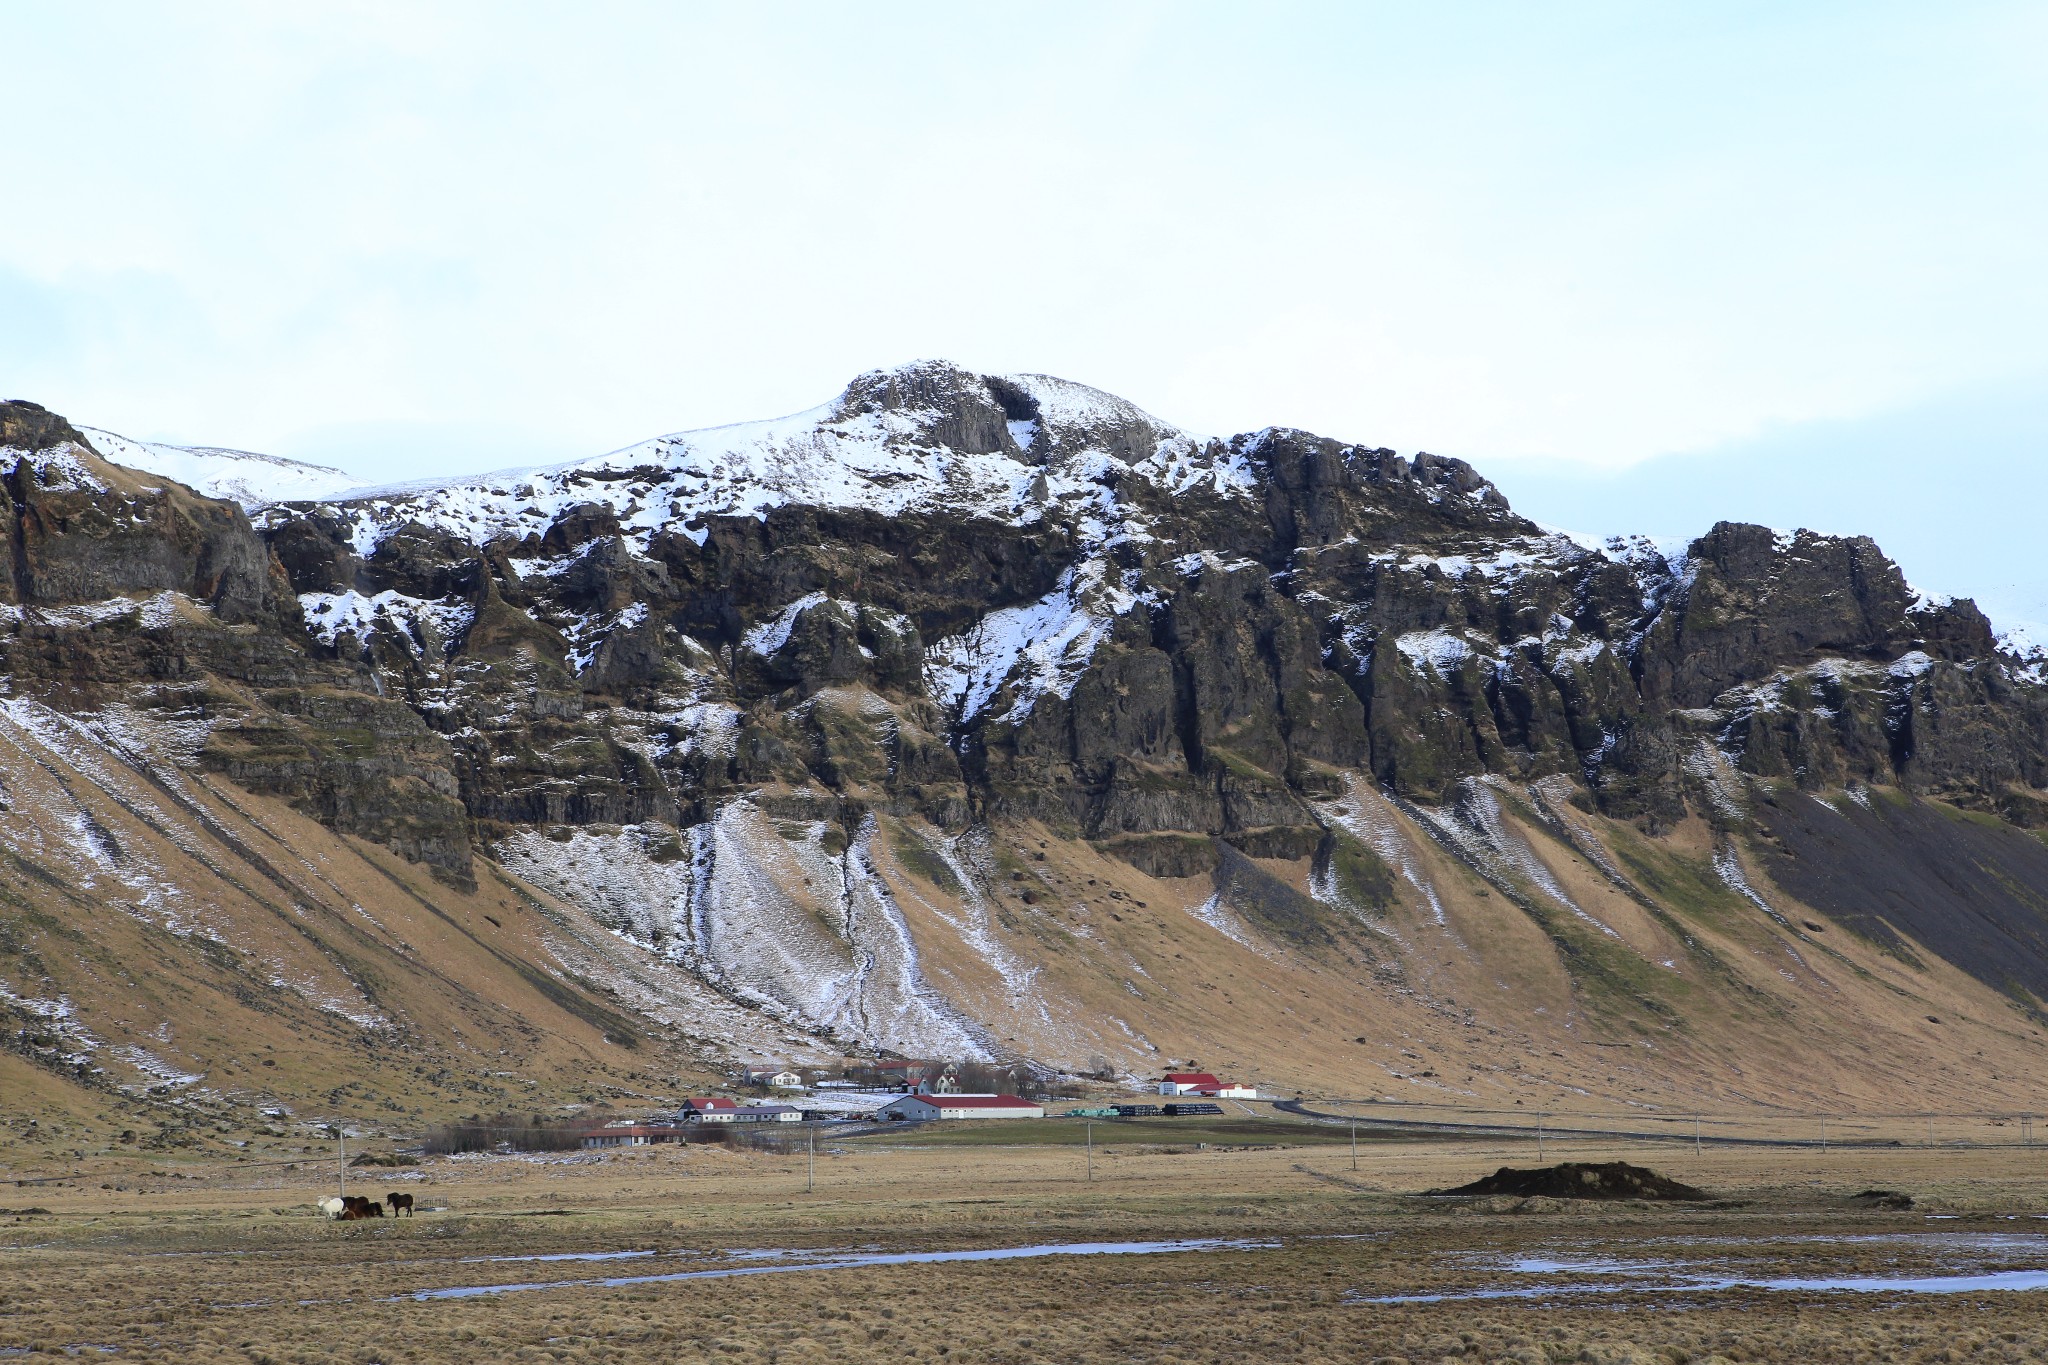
(210, 1267)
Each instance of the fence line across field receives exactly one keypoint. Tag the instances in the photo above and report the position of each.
(1379, 1133)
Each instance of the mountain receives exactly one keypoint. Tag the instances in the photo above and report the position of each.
(990, 716)
(239, 476)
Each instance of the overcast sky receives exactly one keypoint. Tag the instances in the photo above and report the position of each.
(1647, 265)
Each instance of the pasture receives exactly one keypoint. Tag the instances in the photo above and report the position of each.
(689, 1253)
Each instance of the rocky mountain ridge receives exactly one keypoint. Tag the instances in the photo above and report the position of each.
(876, 719)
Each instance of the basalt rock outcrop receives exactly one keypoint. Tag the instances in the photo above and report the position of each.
(133, 591)
(949, 605)
(1037, 602)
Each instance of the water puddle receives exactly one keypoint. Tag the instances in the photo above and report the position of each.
(1614, 1275)
(561, 1256)
(766, 1262)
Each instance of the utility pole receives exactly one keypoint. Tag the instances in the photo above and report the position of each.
(1696, 1148)
(340, 1162)
(1354, 1144)
(1823, 1132)
(1539, 1137)
(811, 1170)
(1091, 1151)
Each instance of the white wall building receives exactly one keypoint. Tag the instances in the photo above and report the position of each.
(923, 1107)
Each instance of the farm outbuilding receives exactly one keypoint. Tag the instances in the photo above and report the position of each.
(1188, 1083)
(708, 1109)
(1203, 1084)
(924, 1107)
(766, 1113)
(633, 1135)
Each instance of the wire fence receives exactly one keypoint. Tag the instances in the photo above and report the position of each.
(1698, 1128)
(1386, 1132)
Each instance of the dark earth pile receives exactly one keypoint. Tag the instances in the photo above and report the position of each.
(1578, 1180)
(1882, 1199)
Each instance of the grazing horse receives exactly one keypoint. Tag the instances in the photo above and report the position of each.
(362, 1208)
(331, 1208)
(400, 1203)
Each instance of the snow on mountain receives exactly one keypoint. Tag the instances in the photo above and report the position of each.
(242, 476)
(893, 443)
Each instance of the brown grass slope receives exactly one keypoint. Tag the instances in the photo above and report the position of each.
(191, 965)
(1675, 972)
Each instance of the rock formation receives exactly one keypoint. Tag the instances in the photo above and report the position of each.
(775, 702)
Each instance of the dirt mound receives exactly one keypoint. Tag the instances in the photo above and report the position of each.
(1577, 1180)
(1882, 1199)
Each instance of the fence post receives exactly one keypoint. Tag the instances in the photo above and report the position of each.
(1539, 1137)
(1354, 1145)
(1091, 1151)
(1697, 1150)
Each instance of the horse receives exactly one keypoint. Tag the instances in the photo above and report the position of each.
(331, 1207)
(400, 1203)
(362, 1208)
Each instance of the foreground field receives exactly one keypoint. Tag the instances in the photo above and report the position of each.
(701, 1252)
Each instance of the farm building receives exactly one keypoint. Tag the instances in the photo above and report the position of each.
(1204, 1084)
(632, 1135)
(708, 1109)
(1187, 1083)
(776, 1076)
(765, 1113)
(923, 1107)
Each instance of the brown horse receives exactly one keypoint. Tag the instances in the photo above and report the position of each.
(359, 1207)
(400, 1203)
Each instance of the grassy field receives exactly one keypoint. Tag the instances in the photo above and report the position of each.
(1054, 1131)
(166, 1262)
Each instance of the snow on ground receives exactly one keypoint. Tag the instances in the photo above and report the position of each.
(1217, 914)
(1438, 651)
(427, 628)
(1042, 647)
(57, 467)
(1369, 817)
(844, 454)
(762, 911)
(1474, 824)
(242, 476)
(1728, 868)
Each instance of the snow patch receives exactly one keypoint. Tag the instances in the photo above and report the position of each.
(1039, 649)
(241, 476)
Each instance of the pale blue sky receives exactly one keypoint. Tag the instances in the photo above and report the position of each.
(1749, 253)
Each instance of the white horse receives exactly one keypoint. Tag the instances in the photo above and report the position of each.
(331, 1207)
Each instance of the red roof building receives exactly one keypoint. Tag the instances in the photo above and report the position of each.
(715, 1107)
(1188, 1083)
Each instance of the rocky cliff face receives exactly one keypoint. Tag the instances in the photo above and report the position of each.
(1072, 612)
(127, 588)
(787, 704)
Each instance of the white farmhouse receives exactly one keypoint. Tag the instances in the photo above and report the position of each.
(923, 1107)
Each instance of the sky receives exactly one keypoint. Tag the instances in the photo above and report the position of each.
(1646, 265)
